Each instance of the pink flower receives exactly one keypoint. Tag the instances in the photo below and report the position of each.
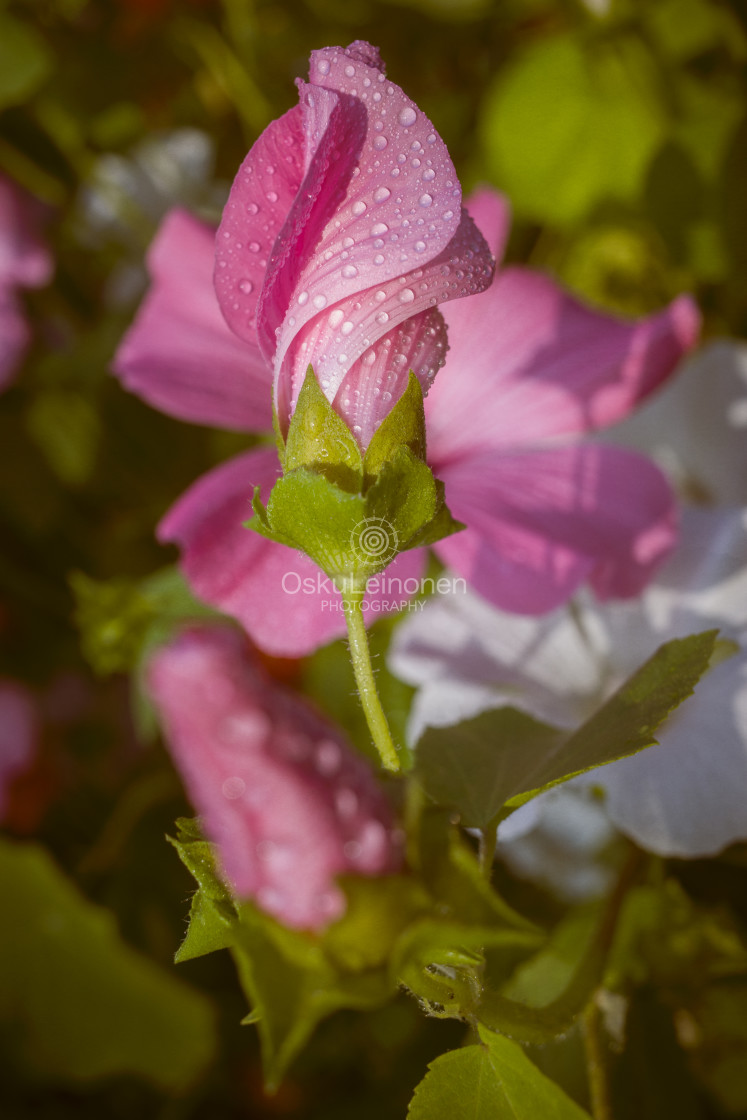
(24, 263)
(19, 732)
(528, 367)
(285, 799)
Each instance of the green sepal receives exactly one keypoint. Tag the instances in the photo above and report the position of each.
(404, 426)
(320, 440)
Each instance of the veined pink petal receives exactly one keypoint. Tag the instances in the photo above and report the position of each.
(282, 795)
(336, 339)
(377, 380)
(542, 522)
(179, 355)
(261, 197)
(527, 360)
(19, 731)
(25, 261)
(14, 336)
(282, 599)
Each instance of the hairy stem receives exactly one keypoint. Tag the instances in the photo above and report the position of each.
(596, 1066)
(366, 684)
(488, 837)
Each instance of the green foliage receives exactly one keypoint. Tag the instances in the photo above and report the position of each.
(79, 1002)
(503, 757)
(490, 1081)
(25, 62)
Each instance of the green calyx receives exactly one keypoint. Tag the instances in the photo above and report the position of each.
(352, 514)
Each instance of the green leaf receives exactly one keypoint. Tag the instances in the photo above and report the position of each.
(504, 757)
(320, 440)
(565, 128)
(25, 61)
(292, 985)
(404, 426)
(82, 1004)
(212, 917)
(491, 1081)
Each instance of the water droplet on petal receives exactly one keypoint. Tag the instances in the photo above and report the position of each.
(358, 208)
(406, 295)
(382, 317)
(349, 271)
(420, 246)
(254, 246)
(252, 208)
(233, 788)
(272, 196)
(380, 142)
(429, 175)
(319, 302)
(347, 327)
(379, 258)
(246, 287)
(382, 194)
(425, 199)
(336, 317)
(448, 215)
(407, 116)
(379, 228)
(348, 243)
(303, 297)
(323, 66)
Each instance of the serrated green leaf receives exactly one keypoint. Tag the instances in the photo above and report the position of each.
(320, 440)
(211, 927)
(82, 1003)
(404, 426)
(25, 61)
(504, 757)
(491, 1081)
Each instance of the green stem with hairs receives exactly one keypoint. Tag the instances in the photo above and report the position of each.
(364, 679)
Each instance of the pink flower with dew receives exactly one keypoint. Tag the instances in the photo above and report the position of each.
(19, 732)
(287, 802)
(528, 369)
(24, 263)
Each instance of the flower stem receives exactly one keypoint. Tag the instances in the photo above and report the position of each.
(601, 1108)
(488, 837)
(364, 679)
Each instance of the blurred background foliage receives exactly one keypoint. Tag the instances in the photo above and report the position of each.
(618, 128)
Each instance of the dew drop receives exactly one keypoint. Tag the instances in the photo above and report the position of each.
(272, 196)
(394, 172)
(386, 396)
(342, 358)
(222, 264)
(415, 162)
(320, 302)
(233, 788)
(349, 271)
(348, 243)
(254, 246)
(347, 327)
(379, 258)
(379, 228)
(382, 317)
(303, 297)
(448, 215)
(358, 208)
(407, 116)
(246, 287)
(380, 142)
(382, 194)
(380, 295)
(252, 208)
(349, 71)
(420, 246)
(425, 199)
(429, 175)
(377, 97)
(406, 295)
(336, 317)
(323, 66)
(431, 138)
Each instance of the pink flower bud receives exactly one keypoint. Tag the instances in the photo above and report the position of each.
(287, 802)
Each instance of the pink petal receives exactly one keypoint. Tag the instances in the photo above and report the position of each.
(332, 342)
(14, 336)
(19, 731)
(25, 261)
(282, 795)
(376, 381)
(528, 360)
(542, 522)
(261, 198)
(282, 599)
(491, 213)
(179, 355)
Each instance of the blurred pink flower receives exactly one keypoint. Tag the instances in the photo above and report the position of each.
(528, 367)
(287, 802)
(24, 263)
(19, 732)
